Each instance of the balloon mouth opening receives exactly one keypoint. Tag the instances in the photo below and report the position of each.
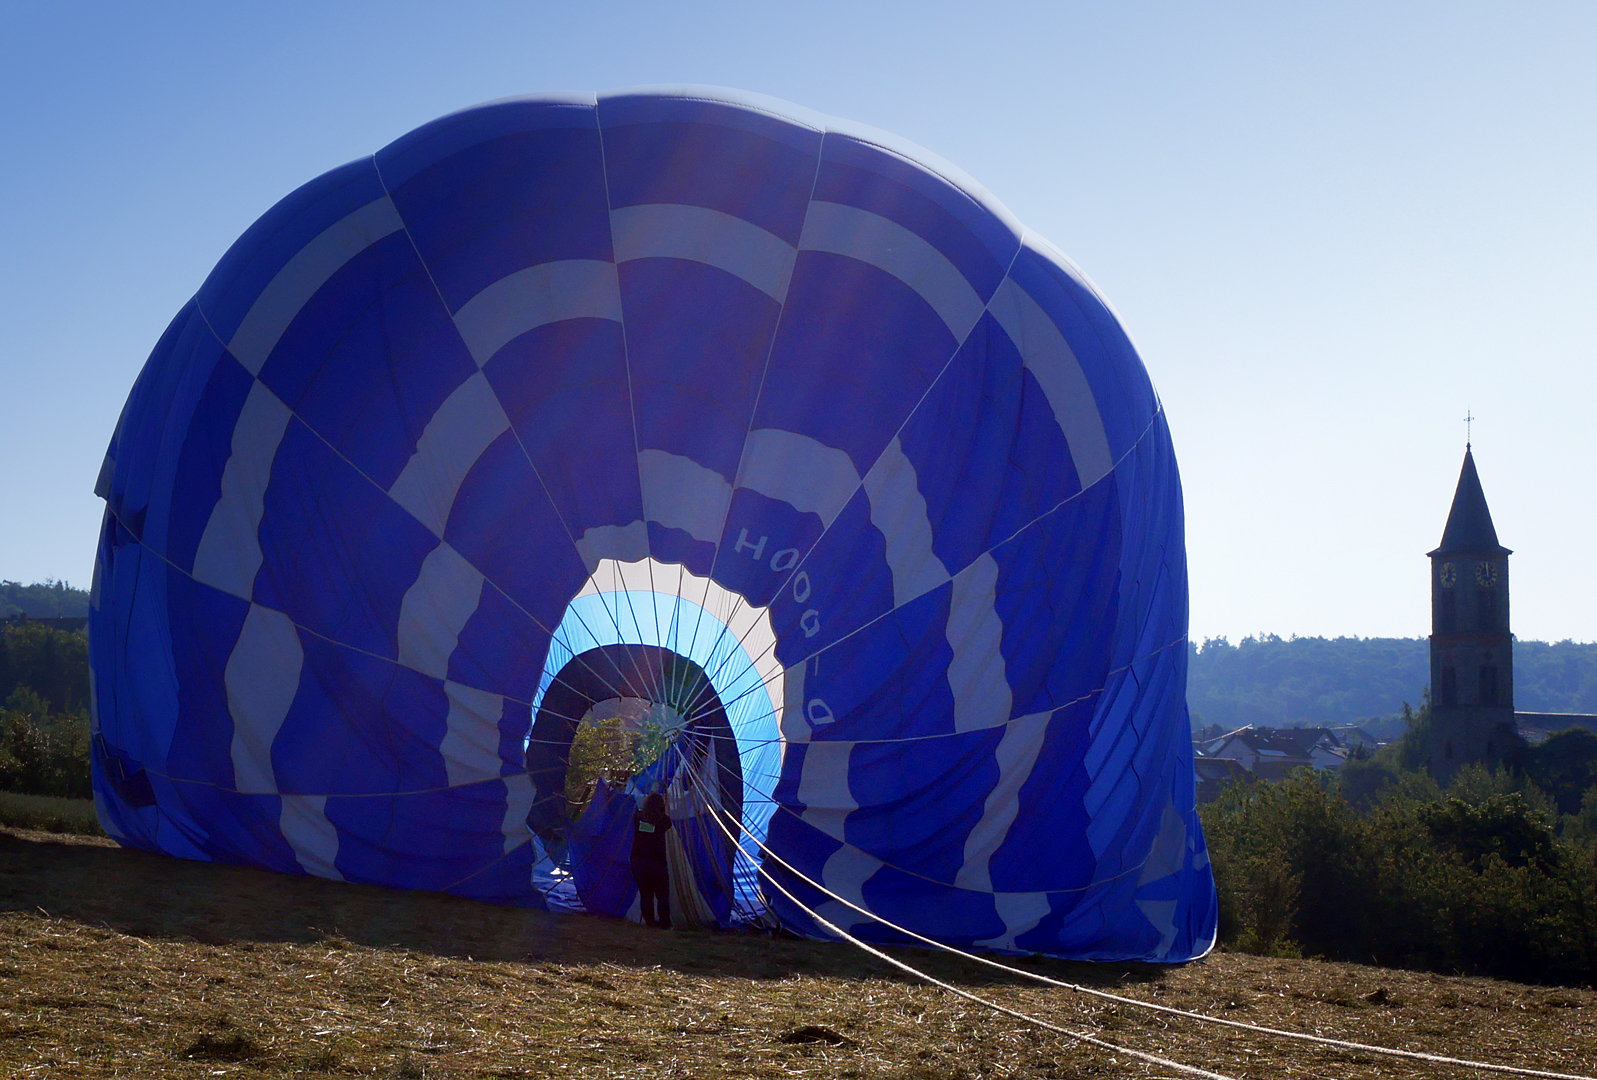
(656, 678)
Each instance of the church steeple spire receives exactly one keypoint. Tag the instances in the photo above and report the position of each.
(1472, 646)
(1469, 528)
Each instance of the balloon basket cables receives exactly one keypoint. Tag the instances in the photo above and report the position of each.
(1318, 1040)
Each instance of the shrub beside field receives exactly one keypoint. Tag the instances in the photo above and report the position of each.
(44, 711)
(43, 753)
(1487, 878)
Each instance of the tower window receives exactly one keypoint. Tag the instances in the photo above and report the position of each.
(1486, 601)
(1488, 684)
(1449, 687)
(1447, 612)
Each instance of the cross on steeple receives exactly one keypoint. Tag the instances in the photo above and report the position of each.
(1469, 419)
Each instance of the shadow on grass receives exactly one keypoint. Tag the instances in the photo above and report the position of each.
(153, 896)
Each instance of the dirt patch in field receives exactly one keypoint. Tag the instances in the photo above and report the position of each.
(115, 963)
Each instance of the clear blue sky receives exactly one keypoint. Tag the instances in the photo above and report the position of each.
(1330, 228)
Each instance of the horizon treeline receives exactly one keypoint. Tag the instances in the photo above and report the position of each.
(47, 599)
(1270, 681)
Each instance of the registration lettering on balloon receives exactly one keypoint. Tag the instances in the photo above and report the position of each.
(781, 561)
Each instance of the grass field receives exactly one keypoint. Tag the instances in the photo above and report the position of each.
(117, 963)
(46, 813)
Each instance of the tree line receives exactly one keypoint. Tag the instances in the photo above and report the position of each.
(1272, 681)
(48, 599)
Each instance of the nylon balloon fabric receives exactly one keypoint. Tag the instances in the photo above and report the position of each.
(793, 403)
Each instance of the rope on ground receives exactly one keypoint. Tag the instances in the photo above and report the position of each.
(1322, 1040)
(1091, 1040)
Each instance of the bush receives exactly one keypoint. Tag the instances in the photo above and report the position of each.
(1503, 827)
(1485, 880)
(1565, 766)
(41, 754)
(44, 723)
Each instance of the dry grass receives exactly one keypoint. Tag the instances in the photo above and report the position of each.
(116, 963)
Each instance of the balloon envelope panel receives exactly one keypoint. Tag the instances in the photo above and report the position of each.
(790, 376)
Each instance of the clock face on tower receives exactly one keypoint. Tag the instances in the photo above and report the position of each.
(1449, 575)
(1486, 574)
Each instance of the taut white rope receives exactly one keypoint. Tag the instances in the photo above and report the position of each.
(1341, 1044)
(1092, 1040)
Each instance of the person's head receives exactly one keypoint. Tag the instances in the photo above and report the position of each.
(654, 804)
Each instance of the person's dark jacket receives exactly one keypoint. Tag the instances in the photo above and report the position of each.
(650, 823)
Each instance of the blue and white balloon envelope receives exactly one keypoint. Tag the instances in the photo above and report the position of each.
(754, 400)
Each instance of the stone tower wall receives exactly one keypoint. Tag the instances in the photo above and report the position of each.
(1472, 663)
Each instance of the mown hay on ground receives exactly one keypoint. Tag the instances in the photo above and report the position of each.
(117, 963)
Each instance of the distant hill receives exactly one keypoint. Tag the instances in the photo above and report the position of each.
(1275, 681)
(42, 600)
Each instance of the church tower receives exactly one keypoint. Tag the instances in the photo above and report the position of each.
(1472, 652)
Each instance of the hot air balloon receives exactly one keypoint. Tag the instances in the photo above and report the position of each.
(768, 446)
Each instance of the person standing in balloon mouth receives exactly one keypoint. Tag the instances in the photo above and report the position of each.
(650, 823)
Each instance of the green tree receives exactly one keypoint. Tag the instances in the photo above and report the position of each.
(52, 663)
(1565, 766)
(42, 754)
